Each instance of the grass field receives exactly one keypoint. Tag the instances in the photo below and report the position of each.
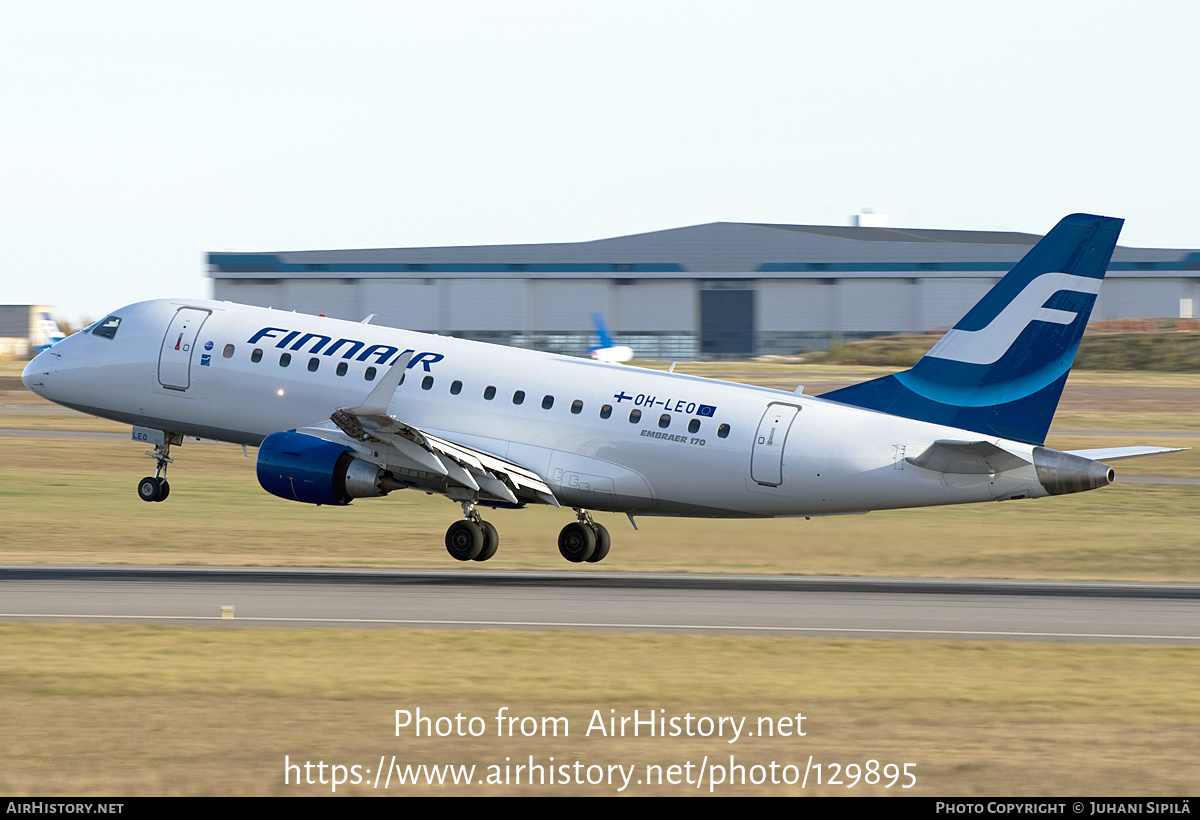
(1163, 351)
(90, 710)
(124, 710)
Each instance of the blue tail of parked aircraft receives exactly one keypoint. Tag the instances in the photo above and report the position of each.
(606, 350)
(1001, 370)
(602, 335)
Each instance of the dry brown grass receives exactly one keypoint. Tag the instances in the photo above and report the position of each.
(93, 710)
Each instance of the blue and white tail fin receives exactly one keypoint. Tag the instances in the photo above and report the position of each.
(1001, 370)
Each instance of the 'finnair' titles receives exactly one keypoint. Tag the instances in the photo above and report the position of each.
(342, 411)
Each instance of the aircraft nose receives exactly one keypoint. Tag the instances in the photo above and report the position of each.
(34, 373)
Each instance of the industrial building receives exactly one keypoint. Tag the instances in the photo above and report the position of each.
(24, 329)
(718, 290)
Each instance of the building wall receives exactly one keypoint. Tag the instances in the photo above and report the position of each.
(811, 285)
(20, 330)
(661, 319)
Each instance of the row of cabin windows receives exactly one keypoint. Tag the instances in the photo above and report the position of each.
(314, 362)
(489, 393)
(635, 415)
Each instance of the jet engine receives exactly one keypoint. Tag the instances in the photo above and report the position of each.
(1062, 473)
(301, 467)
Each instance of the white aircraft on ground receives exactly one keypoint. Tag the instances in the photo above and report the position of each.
(50, 332)
(342, 410)
(606, 350)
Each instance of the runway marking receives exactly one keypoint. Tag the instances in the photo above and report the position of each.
(570, 625)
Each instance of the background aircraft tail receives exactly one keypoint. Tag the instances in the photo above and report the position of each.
(606, 350)
(49, 330)
(1001, 370)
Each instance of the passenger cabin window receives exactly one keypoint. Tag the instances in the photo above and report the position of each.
(606, 411)
(489, 393)
(664, 421)
(577, 407)
(370, 374)
(313, 364)
(519, 397)
(694, 426)
(723, 431)
(427, 383)
(342, 368)
(455, 387)
(227, 352)
(547, 402)
(107, 329)
(635, 416)
(285, 359)
(256, 356)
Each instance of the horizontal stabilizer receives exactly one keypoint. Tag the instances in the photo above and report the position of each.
(967, 458)
(1118, 453)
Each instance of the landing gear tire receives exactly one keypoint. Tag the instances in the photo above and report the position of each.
(577, 542)
(491, 542)
(464, 540)
(603, 542)
(153, 489)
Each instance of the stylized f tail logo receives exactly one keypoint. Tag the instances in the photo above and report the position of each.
(986, 345)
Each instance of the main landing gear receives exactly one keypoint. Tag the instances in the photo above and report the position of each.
(156, 488)
(585, 540)
(474, 539)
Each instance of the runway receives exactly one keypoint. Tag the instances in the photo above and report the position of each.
(897, 608)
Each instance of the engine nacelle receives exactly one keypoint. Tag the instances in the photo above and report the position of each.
(305, 468)
(1062, 473)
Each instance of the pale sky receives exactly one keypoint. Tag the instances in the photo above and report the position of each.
(138, 136)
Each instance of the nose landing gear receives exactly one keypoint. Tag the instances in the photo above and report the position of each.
(152, 488)
(156, 488)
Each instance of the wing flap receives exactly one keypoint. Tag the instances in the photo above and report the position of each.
(462, 466)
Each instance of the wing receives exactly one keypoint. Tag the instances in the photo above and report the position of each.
(423, 460)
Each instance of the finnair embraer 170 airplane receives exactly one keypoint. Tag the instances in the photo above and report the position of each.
(341, 410)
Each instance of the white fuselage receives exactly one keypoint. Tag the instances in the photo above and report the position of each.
(699, 448)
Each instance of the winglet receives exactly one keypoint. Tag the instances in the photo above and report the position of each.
(376, 404)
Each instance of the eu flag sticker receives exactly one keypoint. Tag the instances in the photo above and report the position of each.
(706, 410)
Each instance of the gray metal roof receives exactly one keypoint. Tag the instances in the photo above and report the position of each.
(913, 234)
(713, 248)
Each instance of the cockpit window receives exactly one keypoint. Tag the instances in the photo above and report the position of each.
(107, 328)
